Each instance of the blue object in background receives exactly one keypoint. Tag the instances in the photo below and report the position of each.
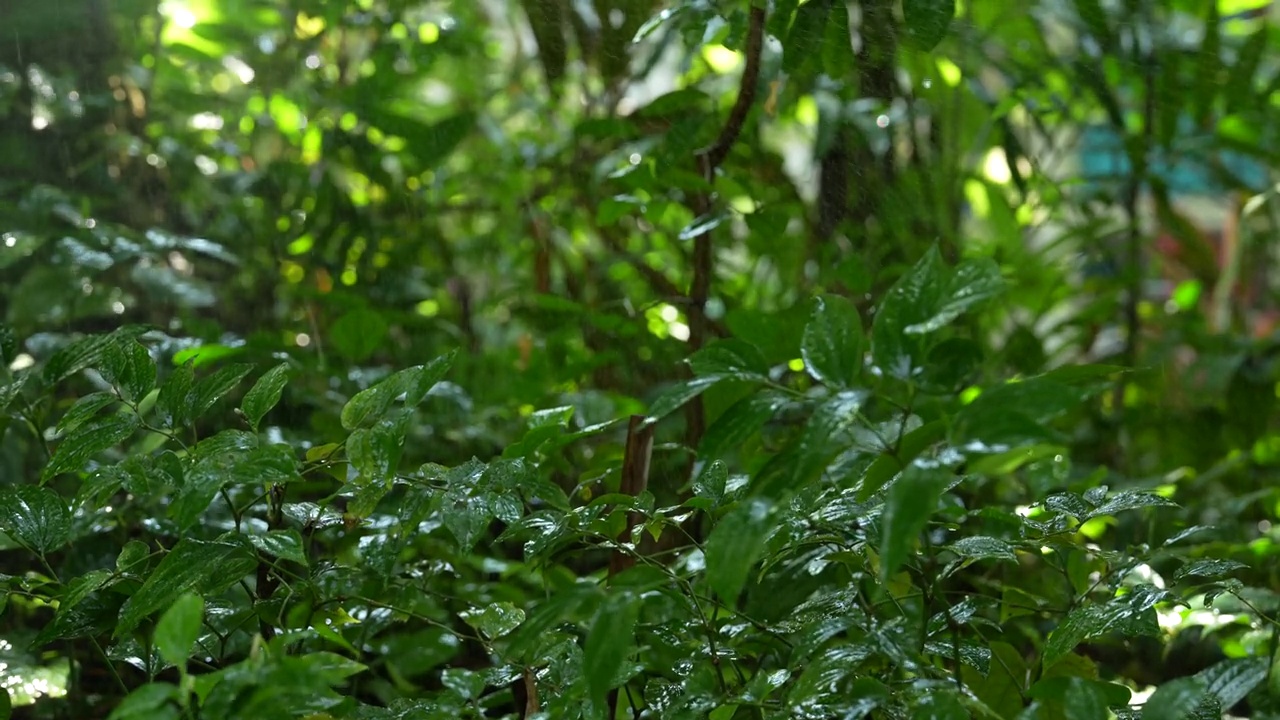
(1188, 171)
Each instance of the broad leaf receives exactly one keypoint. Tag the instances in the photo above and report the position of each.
(210, 390)
(734, 546)
(179, 629)
(191, 566)
(609, 642)
(833, 342)
(411, 384)
(172, 402)
(264, 394)
(911, 501)
(1175, 700)
(35, 516)
(495, 619)
(88, 440)
(127, 365)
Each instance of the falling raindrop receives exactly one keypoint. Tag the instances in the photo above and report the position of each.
(882, 121)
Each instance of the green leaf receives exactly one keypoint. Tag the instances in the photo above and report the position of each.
(1231, 680)
(81, 587)
(1175, 700)
(679, 393)
(83, 410)
(739, 422)
(825, 435)
(191, 566)
(1130, 614)
(1208, 568)
(609, 642)
(907, 303)
(6, 704)
(284, 544)
(172, 400)
(711, 482)
(264, 394)
(83, 353)
(911, 501)
(413, 384)
(133, 553)
(833, 342)
(87, 441)
(927, 21)
(728, 358)
(357, 334)
(495, 619)
(153, 701)
(210, 390)
(979, 547)
(375, 452)
(179, 629)
(128, 366)
(35, 516)
(971, 283)
(735, 544)
(10, 391)
(1130, 500)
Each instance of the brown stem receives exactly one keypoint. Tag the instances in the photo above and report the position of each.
(635, 479)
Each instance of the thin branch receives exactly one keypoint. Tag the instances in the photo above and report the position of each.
(715, 154)
(710, 159)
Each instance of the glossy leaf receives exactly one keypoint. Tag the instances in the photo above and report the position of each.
(84, 410)
(1208, 568)
(609, 642)
(980, 547)
(911, 501)
(190, 566)
(494, 620)
(210, 390)
(35, 516)
(173, 399)
(179, 629)
(833, 342)
(1175, 700)
(411, 384)
(127, 365)
(78, 447)
(264, 394)
(735, 545)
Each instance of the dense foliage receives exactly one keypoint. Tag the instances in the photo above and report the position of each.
(673, 359)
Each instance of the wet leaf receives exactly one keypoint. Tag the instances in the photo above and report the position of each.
(979, 547)
(911, 501)
(264, 394)
(734, 546)
(179, 629)
(411, 384)
(609, 642)
(494, 620)
(833, 342)
(191, 566)
(78, 447)
(1175, 700)
(36, 516)
(127, 365)
(1208, 568)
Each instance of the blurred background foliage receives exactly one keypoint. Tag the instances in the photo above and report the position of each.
(359, 187)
